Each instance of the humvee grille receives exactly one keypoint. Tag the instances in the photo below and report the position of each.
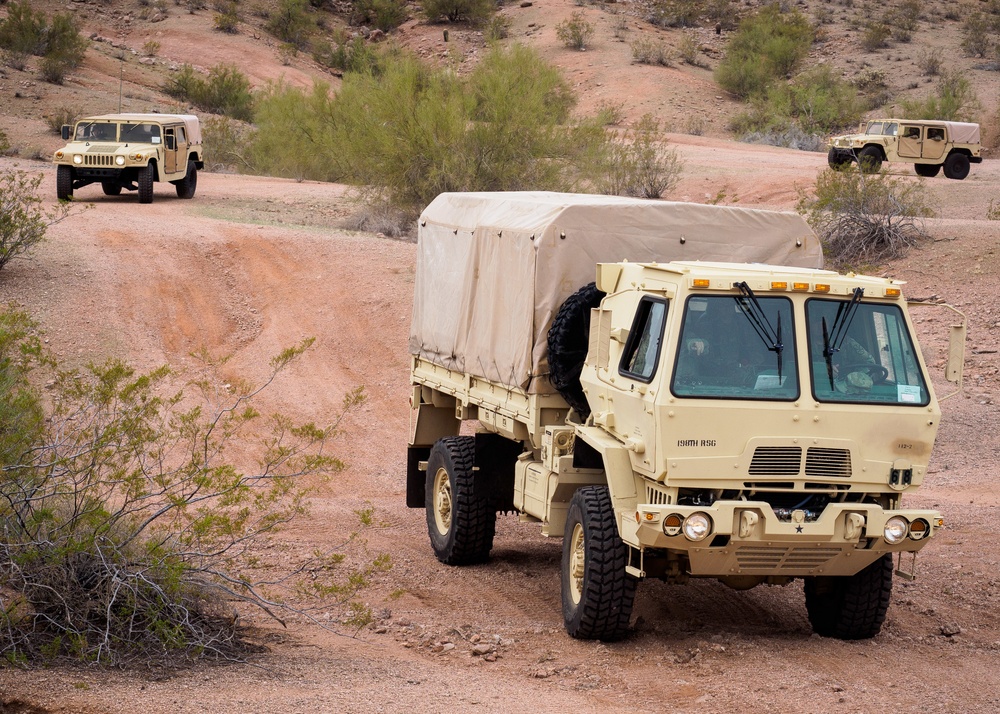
(828, 462)
(752, 557)
(98, 160)
(776, 461)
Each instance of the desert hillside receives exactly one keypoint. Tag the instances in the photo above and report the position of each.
(254, 264)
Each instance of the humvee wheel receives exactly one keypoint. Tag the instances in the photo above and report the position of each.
(853, 607)
(111, 188)
(837, 160)
(956, 166)
(869, 160)
(187, 185)
(460, 520)
(568, 340)
(597, 593)
(145, 181)
(64, 183)
(927, 170)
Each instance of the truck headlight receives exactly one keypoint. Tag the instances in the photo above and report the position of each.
(119, 160)
(919, 529)
(672, 524)
(77, 159)
(896, 529)
(697, 526)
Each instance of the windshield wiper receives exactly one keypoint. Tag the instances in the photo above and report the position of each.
(769, 335)
(841, 323)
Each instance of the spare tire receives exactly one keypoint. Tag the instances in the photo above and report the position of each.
(569, 338)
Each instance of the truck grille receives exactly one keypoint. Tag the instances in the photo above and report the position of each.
(751, 557)
(102, 159)
(832, 463)
(776, 461)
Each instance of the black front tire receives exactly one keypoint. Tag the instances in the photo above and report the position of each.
(870, 160)
(597, 593)
(956, 166)
(837, 159)
(568, 341)
(145, 180)
(927, 170)
(187, 185)
(853, 607)
(460, 519)
(64, 182)
(111, 188)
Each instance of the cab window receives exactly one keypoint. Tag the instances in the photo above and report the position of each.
(642, 348)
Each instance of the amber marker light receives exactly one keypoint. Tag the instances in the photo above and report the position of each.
(701, 283)
(822, 288)
(800, 286)
(892, 292)
(779, 285)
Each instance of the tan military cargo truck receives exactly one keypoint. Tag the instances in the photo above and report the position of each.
(756, 420)
(928, 145)
(130, 152)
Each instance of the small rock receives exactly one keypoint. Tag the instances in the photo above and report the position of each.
(481, 649)
(950, 629)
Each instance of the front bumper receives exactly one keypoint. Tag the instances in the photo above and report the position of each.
(748, 538)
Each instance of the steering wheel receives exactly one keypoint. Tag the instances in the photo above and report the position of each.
(877, 372)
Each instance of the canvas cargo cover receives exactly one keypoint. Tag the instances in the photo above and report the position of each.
(963, 132)
(493, 268)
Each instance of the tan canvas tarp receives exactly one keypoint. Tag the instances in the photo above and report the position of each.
(493, 268)
(963, 132)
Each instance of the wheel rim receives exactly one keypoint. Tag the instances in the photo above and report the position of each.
(442, 501)
(577, 563)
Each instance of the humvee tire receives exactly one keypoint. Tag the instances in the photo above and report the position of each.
(837, 160)
(870, 159)
(851, 607)
(597, 593)
(145, 181)
(569, 339)
(64, 183)
(460, 519)
(111, 188)
(927, 170)
(187, 185)
(956, 166)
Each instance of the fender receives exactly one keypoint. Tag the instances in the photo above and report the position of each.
(617, 466)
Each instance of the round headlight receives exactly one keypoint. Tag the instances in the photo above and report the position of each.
(896, 529)
(919, 528)
(697, 526)
(119, 160)
(77, 159)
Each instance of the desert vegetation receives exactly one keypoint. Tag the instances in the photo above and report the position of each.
(56, 40)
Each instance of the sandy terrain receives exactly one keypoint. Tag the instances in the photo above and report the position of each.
(252, 265)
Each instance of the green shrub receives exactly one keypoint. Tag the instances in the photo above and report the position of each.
(22, 33)
(639, 164)
(675, 13)
(291, 22)
(348, 55)
(497, 28)
(60, 117)
(474, 11)
(23, 220)
(977, 35)
(930, 62)
(225, 145)
(228, 18)
(689, 50)
(649, 51)
(864, 219)
(875, 36)
(767, 46)
(954, 99)
(575, 32)
(385, 15)
(226, 91)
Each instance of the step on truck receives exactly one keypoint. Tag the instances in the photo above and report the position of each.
(713, 405)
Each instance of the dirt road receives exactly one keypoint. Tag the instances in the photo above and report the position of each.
(252, 265)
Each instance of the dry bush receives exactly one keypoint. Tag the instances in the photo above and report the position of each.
(649, 51)
(864, 219)
(575, 32)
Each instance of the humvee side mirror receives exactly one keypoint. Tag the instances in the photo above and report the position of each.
(65, 132)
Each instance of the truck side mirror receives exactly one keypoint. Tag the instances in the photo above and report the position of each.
(65, 132)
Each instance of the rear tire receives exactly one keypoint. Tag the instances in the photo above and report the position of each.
(187, 185)
(956, 166)
(569, 339)
(853, 607)
(145, 181)
(460, 519)
(927, 170)
(597, 593)
(111, 188)
(870, 160)
(64, 182)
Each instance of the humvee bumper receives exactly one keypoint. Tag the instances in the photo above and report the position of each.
(749, 538)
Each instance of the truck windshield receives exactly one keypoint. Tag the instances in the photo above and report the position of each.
(723, 353)
(145, 133)
(96, 131)
(875, 362)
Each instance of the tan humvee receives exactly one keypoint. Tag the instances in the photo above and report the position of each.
(928, 145)
(742, 421)
(130, 151)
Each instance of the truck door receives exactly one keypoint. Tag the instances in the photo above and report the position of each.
(170, 150)
(910, 141)
(934, 143)
(638, 374)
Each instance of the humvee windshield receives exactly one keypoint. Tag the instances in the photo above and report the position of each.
(878, 128)
(96, 131)
(873, 360)
(145, 133)
(731, 350)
